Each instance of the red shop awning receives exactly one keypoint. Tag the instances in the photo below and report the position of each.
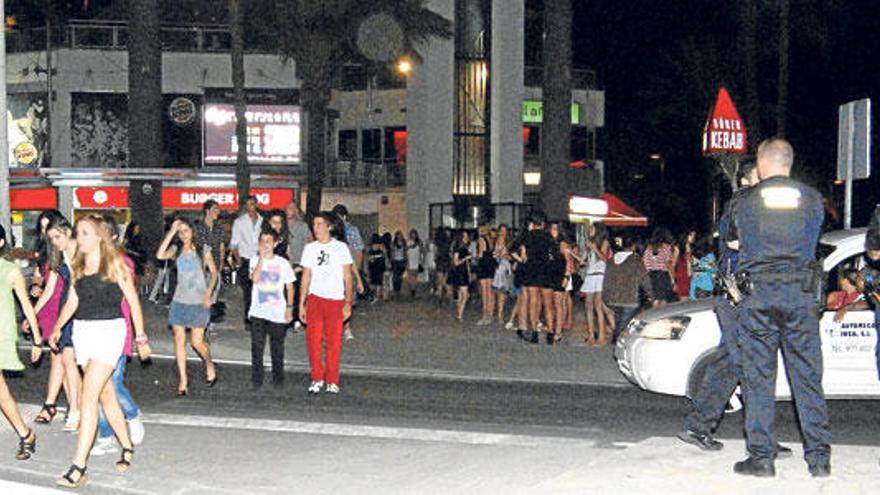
(621, 214)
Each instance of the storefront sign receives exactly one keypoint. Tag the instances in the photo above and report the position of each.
(182, 198)
(273, 134)
(533, 112)
(724, 131)
(43, 198)
(100, 197)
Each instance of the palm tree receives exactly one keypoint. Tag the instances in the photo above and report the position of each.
(242, 168)
(556, 127)
(319, 36)
(145, 114)
(782, 83)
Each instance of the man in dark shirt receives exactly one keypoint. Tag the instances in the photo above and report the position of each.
(210, 233)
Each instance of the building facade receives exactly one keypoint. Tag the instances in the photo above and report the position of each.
(462, 129)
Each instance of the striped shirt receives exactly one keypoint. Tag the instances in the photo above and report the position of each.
(659, 261)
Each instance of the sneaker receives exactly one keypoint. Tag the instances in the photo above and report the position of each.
(347, 335)
(508, 325)
(332, 388)
(315, 387)
(104, 446)
(136, 429)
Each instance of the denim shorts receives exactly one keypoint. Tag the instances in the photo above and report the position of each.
(188, 315)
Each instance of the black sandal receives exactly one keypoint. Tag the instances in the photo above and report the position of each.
(26, 448)
(50, 411)
(67, 480)
(125, 462)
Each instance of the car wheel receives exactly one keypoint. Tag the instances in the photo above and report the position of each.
(698, 371)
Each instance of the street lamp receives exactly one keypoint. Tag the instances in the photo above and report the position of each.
(404, 66)
(659, 158)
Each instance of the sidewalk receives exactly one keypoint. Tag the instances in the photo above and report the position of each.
(417, 338)
(189, 454)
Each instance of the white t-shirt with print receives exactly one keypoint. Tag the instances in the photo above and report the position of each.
(327, 263)
(267, 297)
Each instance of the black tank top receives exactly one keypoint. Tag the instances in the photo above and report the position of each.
(98, 299)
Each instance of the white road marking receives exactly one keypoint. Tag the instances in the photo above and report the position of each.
(12, 487)
(352, 430)
(391, 371)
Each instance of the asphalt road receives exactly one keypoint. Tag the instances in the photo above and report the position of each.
(604, 414)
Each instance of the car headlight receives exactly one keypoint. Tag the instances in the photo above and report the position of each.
(670, 328)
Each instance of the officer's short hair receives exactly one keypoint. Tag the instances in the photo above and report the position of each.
(778, 151)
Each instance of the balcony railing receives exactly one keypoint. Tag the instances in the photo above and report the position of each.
(113, 35)
(364, 175)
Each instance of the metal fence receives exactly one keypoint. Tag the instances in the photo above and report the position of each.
(364, 175)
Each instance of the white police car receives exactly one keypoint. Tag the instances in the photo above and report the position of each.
(667, 349)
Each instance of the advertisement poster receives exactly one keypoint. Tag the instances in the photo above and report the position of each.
(273, 134)
(99, 130)
(27, 126)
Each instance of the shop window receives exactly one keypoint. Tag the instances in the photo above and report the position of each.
(371, 145)
(348, 145)
(395, 145)
(531, 141)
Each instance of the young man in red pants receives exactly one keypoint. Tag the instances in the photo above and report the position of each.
(325, 300)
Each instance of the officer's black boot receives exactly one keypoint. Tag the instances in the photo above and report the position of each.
(820, 470)
(762, 468)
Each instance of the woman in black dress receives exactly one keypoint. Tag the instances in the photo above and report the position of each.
(376, 265)
(459, 276)
(486, 265)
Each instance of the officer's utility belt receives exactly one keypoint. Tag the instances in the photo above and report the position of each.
(809, 280)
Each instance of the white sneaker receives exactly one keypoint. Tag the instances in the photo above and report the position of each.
(136, 429)
(347, 335)
(104, 446)
(315, 387)
(332, 388)
(297, 325)
(509, 325)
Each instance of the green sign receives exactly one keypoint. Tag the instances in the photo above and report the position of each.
(533, 112)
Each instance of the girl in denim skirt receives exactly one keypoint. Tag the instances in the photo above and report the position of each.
(191, 304)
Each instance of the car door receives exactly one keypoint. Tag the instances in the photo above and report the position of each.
(850, 367)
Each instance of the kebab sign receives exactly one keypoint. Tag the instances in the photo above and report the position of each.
(724, 131)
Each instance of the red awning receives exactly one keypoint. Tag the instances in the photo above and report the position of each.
(621, 214)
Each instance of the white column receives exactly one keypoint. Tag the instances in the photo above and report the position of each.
(507, 92)
(429, 114)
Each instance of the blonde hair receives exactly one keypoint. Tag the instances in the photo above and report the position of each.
(111, 266)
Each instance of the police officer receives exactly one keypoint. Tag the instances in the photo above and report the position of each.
(872, 245)
(722, 374)
(777, 225)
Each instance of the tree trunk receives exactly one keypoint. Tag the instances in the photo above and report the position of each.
(316, 99)
(782, 94)
(556, 127)
(748, 44)
(145, 148)
(242, 167)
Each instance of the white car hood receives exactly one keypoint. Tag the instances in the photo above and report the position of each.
(683, 308)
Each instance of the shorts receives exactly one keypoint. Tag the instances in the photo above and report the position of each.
(99, 340)
(66, 339)
(592, 283)
(188, 315)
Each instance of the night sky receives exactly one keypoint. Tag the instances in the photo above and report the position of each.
(637, 47)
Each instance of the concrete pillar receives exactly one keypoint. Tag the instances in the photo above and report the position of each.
(429, 115)
(507, 93)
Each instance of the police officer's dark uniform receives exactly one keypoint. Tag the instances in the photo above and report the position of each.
(721, 375)
(777, 224)
(872, 243)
